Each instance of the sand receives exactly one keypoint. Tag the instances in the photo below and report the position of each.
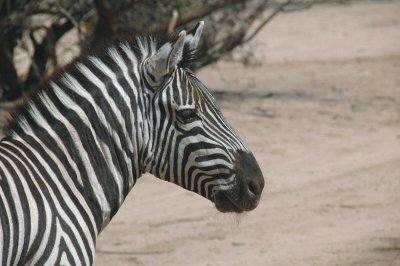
(322, 116)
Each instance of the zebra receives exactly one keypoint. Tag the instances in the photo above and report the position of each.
(74, 151)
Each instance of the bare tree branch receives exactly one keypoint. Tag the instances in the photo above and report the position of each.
(206, 10)
(231, 23)
(75, 23)
(173, 22)
(279, 9)
(43, 51)
(200, 13)
(106, 22)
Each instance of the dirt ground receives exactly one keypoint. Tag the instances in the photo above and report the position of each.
(322, 116)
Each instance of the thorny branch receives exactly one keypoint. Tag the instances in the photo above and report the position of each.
(230, 23)
(279, 9)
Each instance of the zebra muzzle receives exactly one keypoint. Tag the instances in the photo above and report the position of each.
(246, 194)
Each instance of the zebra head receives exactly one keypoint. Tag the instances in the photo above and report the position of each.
(189, 141)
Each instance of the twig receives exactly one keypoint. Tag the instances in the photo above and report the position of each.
(268, 19)
(200, 13)
(43, 51)
(74, 22)
(302, 6)
(174, 21)
(106, 22)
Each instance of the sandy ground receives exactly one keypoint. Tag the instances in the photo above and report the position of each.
(322, 115)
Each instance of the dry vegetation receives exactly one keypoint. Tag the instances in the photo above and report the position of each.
(38, 37)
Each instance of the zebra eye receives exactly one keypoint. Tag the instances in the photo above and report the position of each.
(186, 116)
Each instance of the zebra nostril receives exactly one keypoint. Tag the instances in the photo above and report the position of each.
(253, 189)
(252, 180)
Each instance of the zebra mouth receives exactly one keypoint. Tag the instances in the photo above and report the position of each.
(223, 203)
(236, 200)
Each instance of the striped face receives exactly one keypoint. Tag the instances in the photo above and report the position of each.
(195, 148)
(189, 141)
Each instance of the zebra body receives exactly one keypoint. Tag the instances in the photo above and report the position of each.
(74, 152)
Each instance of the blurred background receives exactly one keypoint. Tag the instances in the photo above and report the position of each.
(313, 87)
(37, 37)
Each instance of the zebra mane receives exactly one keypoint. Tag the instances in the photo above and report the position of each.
(189, 58)
(136, 44)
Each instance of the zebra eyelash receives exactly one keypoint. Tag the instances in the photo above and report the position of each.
(187, 115)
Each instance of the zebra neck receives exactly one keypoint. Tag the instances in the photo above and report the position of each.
(86, 139)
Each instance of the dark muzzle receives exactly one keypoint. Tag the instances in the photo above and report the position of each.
(245, 195)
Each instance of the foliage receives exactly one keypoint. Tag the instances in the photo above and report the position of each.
(35, 27)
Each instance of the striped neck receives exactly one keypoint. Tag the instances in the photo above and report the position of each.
(90, 123)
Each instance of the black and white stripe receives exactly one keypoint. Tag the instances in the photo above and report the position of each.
(74, 152)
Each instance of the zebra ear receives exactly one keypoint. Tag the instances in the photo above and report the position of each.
(156, 66)
(193, 37)
(164, 61)
(177, 51)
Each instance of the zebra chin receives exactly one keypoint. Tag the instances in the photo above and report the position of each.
(246, 193)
